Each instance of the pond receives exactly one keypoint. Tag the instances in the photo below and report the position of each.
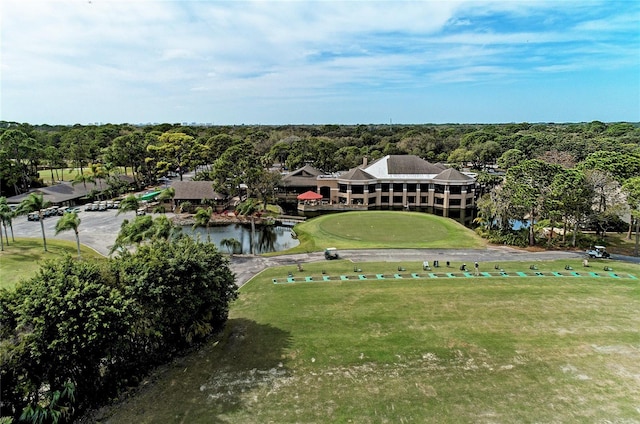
(268, 238)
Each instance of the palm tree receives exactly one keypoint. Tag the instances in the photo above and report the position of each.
(144, 228)
(84, 179)
(2, 240)
(69, 221)
(202, 218)
(35, 203)
(6, 215)
(231, 244)
(167, 194)
(129, 203)
(185, 207)
(248, 208)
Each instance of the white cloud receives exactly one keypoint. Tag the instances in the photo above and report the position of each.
(242, 50)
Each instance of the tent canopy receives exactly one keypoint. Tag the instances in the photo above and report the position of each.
(149, 196)
(310, 195)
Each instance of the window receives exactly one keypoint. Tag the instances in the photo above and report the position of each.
(385, 187)
(424, 199)
(454, 202)
(424, 187)
(357, 189)
(384, 199)
(398, 187)
(411, 188)
(372, 188)
(342, 188)
(439, 188)
(455, 189)
(397, 199)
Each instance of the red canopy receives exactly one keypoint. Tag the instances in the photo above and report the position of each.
(309, 195)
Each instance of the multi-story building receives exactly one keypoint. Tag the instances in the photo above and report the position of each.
(392, 182)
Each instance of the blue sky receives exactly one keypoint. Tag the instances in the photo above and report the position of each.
(317, 62)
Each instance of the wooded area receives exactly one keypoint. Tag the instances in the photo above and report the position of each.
(571, 176)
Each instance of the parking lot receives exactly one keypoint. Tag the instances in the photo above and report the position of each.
(98, 229)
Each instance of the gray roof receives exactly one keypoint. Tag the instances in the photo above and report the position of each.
(301, 177)
(195, 190)
(400, 166)
(410, 164)
(62, 192)
(451, 175)
(357, 174)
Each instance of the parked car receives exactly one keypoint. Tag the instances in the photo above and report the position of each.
(52, 211)
(141, 211)
(33, 216)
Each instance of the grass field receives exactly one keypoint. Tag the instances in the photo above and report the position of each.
(22, 258)
(383, 229)
(66, 174)
(486, 350)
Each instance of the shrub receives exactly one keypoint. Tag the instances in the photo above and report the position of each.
(78, 331)
(518, 238)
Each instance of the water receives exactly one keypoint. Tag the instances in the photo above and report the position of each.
(268, 238)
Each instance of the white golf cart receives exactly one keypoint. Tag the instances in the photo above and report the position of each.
(598, 252)
(331, 253)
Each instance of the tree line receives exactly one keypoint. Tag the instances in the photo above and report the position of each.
(594, 193)
(593, 162)
(222, 153)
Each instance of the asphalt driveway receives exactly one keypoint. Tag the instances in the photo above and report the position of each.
(98, 229)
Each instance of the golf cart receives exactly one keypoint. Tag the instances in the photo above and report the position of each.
(598, 252)
(331, 253)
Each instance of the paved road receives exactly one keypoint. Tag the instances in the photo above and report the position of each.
(97, 230)
(100, 229)
(246, 266)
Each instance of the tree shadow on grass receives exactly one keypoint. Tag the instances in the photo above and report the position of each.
(211, 382)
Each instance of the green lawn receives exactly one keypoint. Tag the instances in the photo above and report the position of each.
(383, 229)
(507, 350)
(22, 258)
(66, 174)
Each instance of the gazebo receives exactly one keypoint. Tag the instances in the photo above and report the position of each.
(309, 195)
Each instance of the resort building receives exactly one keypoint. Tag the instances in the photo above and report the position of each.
(199, 193)
(392, 182)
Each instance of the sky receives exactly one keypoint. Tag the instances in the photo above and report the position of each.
(319, 62)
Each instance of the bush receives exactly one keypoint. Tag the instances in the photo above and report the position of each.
(78, 331)
(518, 238)
(182, 290)
(59, 327)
